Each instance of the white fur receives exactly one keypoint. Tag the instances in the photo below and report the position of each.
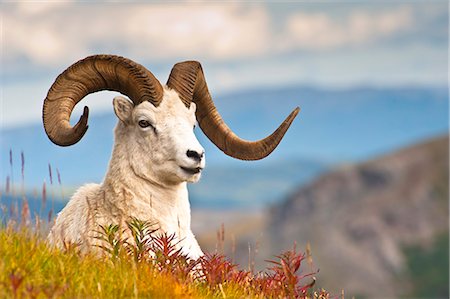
(144, 179)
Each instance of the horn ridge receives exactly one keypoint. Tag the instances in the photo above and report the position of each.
(89, 75)
(188, 80)
(182, 78)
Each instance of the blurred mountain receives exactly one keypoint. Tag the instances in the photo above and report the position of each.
(333, 126)
(360, 219)
(11, 206)
(251, 186)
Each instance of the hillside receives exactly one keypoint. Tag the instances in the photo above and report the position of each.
(324, 133)
(359, 219)
(326, 130)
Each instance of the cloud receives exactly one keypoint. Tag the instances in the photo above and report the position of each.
(49, 34)
(213, 32)
(241, 45)
(28, 35)
(320, 31)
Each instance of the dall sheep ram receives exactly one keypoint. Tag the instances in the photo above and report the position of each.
(155, 150)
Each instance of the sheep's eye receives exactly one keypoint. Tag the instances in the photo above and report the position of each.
(144, 124)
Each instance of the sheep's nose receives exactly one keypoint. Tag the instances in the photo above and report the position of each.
(195, 155)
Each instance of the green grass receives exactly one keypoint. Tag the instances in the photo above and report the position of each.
(428, 269)
(29, 268)
(149, 267)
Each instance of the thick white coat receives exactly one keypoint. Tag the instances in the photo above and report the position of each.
(145, 178)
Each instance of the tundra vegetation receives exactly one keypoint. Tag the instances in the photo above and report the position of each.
(150, 265)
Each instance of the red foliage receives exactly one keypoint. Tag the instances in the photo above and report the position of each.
(15, 280)
(284, 278)
(163, 253)
(215, 269)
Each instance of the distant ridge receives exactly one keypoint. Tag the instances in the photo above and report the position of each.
(359, 218)
(333, 126)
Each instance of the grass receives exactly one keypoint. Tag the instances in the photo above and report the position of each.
(148, 266)
(427, 269)
(30, 269)
(151, 266)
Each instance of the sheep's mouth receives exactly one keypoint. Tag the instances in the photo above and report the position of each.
(192, 170)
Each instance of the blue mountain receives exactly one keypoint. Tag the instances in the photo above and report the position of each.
(334, 126)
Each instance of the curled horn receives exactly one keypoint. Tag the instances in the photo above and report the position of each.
(188, 80)
(92, 74)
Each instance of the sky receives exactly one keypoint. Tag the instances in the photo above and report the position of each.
(241, 45)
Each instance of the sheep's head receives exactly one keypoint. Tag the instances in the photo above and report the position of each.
(168, 151)
(159, 119)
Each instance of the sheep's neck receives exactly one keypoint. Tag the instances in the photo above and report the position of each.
(165, 205)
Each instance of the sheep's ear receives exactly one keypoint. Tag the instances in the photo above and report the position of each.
(192, 107)
(123, 108)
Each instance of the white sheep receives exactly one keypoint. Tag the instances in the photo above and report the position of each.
(155, 150)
